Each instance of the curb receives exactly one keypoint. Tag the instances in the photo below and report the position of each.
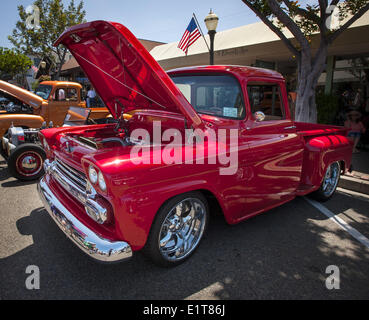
(354, 184)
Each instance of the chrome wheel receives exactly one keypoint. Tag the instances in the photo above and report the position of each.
(331, 179)
(26, 162)
(182, 229)
(29, 163)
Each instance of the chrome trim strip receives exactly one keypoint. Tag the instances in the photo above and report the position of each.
(88, 241)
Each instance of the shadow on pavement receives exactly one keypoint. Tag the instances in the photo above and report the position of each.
(281, 254)
(17, 183)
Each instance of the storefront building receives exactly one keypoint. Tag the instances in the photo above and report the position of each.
(256, 45)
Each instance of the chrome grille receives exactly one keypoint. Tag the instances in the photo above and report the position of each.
(75, 183)
(76, 176)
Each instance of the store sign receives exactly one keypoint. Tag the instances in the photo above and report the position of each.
(231, 52)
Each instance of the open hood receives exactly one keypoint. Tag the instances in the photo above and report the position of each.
(122, 71)
(23, 95)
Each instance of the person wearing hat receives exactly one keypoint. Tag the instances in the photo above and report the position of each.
(356, 127)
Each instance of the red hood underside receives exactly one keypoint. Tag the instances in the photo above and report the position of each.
(122, 71)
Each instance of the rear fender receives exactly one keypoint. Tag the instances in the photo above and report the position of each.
(320, 152)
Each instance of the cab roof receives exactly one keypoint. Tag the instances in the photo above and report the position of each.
(241, 71)
(62, 83)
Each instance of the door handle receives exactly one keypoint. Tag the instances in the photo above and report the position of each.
(290, 127)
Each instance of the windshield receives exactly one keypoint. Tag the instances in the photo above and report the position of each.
(43, 91)
(76, 116)
(217, 95)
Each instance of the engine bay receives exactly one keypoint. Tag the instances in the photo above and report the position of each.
(11, 104)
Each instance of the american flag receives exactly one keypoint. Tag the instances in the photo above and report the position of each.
(191, 34)
(35, 69)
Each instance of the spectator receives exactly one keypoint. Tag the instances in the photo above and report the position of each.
(356, 128)
(91, 98)
(61, 95)
(358, 100)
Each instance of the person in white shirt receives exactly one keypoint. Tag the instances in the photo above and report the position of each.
(61, 95)
(91, 95)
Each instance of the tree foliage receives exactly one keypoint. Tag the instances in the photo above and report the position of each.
(302, 21)
(54, 19)
(13, 63)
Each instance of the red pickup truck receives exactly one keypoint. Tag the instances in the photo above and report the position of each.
(119, 188)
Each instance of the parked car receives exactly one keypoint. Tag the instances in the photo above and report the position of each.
(50, 102)
(22, 148)
(110, 206)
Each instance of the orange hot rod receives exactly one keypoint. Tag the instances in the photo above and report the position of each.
(23, 113)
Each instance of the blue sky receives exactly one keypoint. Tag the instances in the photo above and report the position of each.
(161, 20)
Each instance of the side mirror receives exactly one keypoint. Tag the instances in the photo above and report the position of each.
(259, 116)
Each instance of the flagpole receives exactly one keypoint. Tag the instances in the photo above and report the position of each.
(201, 31)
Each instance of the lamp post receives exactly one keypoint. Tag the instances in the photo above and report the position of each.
(211, 22)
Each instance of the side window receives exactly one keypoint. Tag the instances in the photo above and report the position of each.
(72, 94)
(267, 98)
(59, 94)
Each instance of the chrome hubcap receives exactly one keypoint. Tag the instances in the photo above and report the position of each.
(331, 179)
(182, 229)
(29, 163)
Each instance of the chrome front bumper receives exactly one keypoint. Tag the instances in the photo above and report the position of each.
(88, 241)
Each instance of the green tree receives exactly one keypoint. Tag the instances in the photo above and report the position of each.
(302, 21)
(13, 63)
(53, 20)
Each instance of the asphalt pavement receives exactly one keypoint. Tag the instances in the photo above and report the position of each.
(280, 254)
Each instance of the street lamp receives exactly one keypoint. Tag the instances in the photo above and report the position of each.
(211, 21)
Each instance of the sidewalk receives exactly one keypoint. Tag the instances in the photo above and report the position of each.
(358, 179)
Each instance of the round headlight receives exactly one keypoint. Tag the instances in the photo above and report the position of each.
(92, 174)
(102, 183)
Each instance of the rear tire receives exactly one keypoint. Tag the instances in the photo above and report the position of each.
(26, 162)
(329, 183)
(177, 229)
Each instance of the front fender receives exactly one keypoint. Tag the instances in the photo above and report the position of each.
(137, 208)
(137, 192)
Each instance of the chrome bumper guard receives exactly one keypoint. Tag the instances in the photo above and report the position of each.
(8, 146)
(88, 241)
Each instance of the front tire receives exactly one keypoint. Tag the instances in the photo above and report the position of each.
(26, 162)
(329, 184)
(178, 229)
